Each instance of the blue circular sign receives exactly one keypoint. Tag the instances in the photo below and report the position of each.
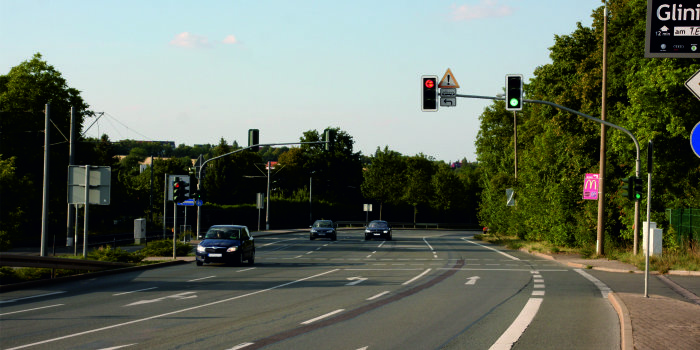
(695, 139)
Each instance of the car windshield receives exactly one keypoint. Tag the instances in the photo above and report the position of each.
(326, 224)
(377, 225)
(223, 233)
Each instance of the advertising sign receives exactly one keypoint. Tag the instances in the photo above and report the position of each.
(590, 186)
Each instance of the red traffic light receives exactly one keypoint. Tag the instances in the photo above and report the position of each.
(429, 83)
(177, 185)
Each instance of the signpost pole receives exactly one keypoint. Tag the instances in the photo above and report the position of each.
(87, 204)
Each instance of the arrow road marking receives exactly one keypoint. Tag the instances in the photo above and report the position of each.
(472, 280)
(356, 280)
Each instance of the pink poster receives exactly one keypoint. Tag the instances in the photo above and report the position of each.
(590, 186)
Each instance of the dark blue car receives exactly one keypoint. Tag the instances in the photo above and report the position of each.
(230, 244)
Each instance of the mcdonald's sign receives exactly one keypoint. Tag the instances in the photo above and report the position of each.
(590, 186)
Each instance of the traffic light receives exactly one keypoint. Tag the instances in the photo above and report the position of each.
(185, 190)
(638, 189)
(178, 194)
(329, 137)
(254, 139)
(514, 92)
(628, 187)
(429, 89)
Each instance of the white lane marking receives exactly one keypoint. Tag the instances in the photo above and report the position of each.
(495, 250)
(119, 347)
(171, 313)
(179, 296)
(36, 308)
(517, 328)
(426, 242)
(537, 293)
(133, 291)
(539, 280)
(604, 289)
(378, 295)
(355, 280)
(199, 279)
(323, 316)
(472, 280)
(381, 244)
(539, 285)
(31, 297)
(248, 269)
(241, 346)
(417, 277)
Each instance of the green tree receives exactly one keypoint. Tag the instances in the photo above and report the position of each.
(384, 179)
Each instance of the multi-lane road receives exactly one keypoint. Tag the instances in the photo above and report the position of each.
(423, 290)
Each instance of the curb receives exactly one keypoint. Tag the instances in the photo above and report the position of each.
(680, 290)
(626, 339)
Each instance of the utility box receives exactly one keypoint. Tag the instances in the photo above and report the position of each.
(655, 236)
(139, 230)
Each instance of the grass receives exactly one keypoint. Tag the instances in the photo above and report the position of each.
(681, 259)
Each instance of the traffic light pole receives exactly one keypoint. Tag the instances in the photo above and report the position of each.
(638, 162)
(199, 173)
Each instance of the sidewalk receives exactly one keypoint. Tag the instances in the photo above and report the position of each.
(668, 321)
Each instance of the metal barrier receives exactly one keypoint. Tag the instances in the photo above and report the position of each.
(686, 223)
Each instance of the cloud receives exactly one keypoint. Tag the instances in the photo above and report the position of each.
(484, 9)
(189, 40)
(230, 39)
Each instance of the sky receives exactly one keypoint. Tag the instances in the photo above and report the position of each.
(194, 72)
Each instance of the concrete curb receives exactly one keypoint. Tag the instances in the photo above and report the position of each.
(626, 339)
(680, 290)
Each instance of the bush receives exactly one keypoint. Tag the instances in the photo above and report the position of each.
(165, 248)
(115, 255)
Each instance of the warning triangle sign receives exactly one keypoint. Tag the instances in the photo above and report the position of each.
(448, 81)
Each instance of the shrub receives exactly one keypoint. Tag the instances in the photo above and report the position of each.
(165, 248)
(114, 255)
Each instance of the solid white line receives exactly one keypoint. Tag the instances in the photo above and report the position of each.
(31, 297)
(417, 277)
(133, 291)
(118, 347)
(248, 269)
(199, 279)
(487, 247)
(517, 328)
(323, 316)
(241, 346)
(36, 308)
(426, 242)
(378, 295)
(604, 289)
(170, 313)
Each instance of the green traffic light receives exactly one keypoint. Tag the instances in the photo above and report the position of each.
(514, 102)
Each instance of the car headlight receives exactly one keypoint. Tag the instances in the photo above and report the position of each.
(232, 249)
(313, 230)
(368, 231)
(200, 249)
(386, 231)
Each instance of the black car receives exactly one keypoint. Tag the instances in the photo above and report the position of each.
(323, 228)
(231, 244)
(378, 228)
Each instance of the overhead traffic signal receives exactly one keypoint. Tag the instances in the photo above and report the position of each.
(329, 137)
(429, 93)
(514, 92)
(638, 189)
(254, 139)
(628, 187)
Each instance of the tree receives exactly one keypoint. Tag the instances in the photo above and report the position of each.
(418, 190)
(384, 178)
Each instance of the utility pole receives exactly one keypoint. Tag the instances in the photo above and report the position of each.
(600, 234)
(71, 161)
(45, 208)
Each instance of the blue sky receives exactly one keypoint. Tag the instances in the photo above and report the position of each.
(196, 71)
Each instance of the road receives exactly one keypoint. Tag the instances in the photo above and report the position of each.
(423, 290)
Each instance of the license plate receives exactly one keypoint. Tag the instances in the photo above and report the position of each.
(214, 255)
(376, 234)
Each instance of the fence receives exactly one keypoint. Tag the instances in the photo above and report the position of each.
(686, 223)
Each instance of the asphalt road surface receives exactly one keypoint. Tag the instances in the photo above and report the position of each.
(425, 289)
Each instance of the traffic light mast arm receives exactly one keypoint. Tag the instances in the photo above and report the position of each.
(638, 161)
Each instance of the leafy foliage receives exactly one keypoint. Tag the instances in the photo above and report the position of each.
(165, 248)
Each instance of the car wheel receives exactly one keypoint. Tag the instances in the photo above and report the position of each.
(334, 238)
(366, 238)
(251, 260)
(239, 259)
(311, 237)
(199, 263)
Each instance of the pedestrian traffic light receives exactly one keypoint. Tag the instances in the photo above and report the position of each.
(329, 137)
(429, 89)
(628, 188)
(514, 92)
(638, 189)
(254, 139)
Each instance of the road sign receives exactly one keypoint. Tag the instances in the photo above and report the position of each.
(99, 181)
(695, 139)
(590, 186)
(693, 84)
(673, 29)
(448, 81)
(191, 202)
(448, 101)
